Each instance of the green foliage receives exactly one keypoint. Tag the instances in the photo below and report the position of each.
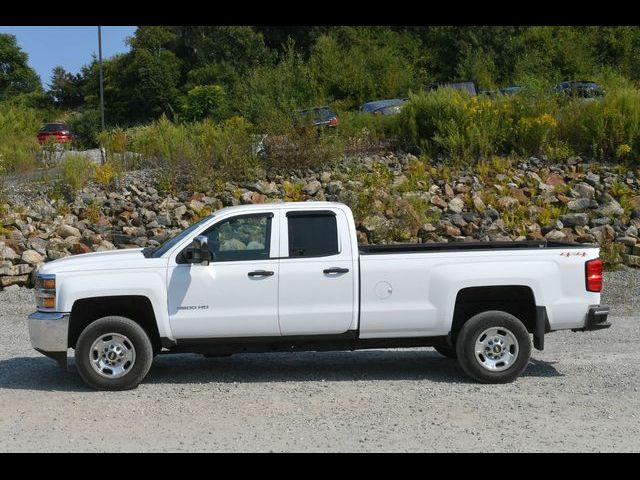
(354, 65)
(196, 152)
(600, 127)
(65, 88)
(85, 127)
(611, 254)
(205, 101)
(271, 94)
(18, 129)
(16, 76)
(76, 171)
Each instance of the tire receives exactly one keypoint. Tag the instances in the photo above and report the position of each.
(500, 361)
(446, 351)
(127, 350)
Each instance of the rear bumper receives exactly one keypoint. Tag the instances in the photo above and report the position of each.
(596, 319)
(48, 332)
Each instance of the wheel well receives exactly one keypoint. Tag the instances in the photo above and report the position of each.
(517, 300)
(136, 307)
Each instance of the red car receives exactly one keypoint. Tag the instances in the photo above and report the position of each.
(59, 132)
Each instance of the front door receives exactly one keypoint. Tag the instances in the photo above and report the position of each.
(236, 295)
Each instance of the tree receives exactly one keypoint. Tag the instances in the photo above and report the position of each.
(205, 101)
(16, 76)
(65, 88)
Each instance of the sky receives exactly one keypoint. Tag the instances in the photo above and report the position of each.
(70, 47)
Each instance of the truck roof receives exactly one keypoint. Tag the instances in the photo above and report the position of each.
(283, 205)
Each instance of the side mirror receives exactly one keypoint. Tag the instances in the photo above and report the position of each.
(199, 252)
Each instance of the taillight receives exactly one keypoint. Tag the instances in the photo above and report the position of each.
(333, 122)
(593, 274)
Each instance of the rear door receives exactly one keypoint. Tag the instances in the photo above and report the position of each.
(317, 286)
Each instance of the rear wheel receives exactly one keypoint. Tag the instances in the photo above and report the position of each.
(493, 347)
(113, 353)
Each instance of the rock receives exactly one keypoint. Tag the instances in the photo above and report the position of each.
(7, 253)
(375, 223)
(574, 219)
(164, 218)
(628, 241)
(555, 235)
(574, 160)
(426, 229)
(631, 260)
(492, 213)
(585, 190)
(456, 205)
(592, 179)
(610, 209)
(438, 202)
(67, 231)
(196, 205)
(448, 191)
(32, 257)
(179, 212)
(79, 248)
(579, 204)
(20, 280)
(334, 188)
(507, 203)
(554, 179)
(312, 187)
(604, 233)
(479, 204)
(266, 188)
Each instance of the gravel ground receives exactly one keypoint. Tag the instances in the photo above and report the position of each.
(580, 394)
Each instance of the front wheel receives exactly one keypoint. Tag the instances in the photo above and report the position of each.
(113, 353)
(493, 347)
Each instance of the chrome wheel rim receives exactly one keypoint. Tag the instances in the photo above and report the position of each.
(496, 349)
(112, 355)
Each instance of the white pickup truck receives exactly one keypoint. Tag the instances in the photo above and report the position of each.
(291, 277)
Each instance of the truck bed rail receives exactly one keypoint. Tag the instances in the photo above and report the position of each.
(463, 246)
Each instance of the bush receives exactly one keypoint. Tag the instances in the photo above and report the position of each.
(18, 129)
(600, 127)
(205, 101)
(85, 127)
(76, 172)
(197, 152)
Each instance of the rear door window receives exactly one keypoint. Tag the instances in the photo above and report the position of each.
(312, 234)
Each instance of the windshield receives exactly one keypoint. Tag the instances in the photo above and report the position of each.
(168, 245)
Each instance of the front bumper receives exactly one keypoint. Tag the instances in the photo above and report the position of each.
(596, 319)
(48, 332)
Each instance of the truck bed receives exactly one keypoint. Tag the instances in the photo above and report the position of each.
(463, 246)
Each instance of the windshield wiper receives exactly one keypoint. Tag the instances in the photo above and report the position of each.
(148, 251)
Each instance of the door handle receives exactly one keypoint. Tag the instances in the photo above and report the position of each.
(260, 273)
(335, 270)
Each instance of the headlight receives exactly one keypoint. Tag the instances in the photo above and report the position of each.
(45, 291)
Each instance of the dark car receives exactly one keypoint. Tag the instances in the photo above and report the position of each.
(56, 131)
(465, 86)
(579, 89)
(318, 117)
(510, 90)
(383, 107)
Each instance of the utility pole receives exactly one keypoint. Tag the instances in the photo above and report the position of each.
(101, 79)
(102, 151)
